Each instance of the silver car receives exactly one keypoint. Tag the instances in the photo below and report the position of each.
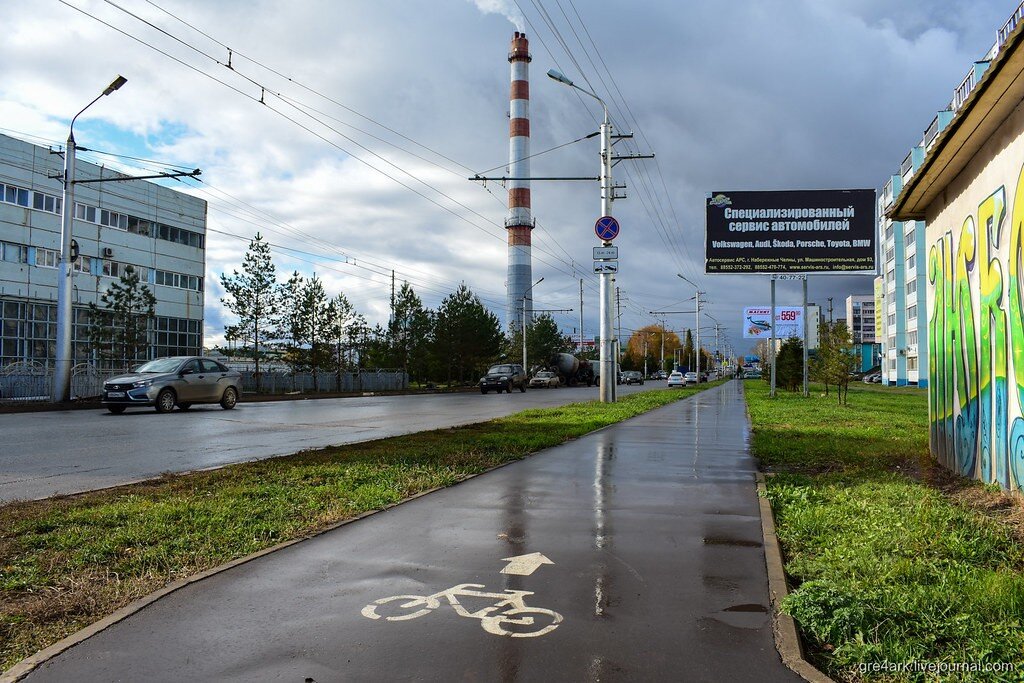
(175, 381)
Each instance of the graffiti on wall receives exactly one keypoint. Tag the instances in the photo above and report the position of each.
(976, 327)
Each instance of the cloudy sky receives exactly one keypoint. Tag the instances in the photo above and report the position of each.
(373, 115)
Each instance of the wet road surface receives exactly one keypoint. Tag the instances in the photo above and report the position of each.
(48, 453)
(658, 574)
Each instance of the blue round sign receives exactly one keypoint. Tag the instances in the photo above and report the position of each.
(606, 228)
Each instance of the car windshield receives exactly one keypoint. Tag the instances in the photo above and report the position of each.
(160, 365)
(500, 370)
(544, 374)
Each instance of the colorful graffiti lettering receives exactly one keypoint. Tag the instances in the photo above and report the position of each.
(971, 429)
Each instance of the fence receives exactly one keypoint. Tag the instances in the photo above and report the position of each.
(30, 381)
(347, 382)
(33, 382)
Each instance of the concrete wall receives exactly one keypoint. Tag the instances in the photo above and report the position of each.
(975, 304)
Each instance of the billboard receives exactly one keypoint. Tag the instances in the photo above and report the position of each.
(757, 322)
(790, 231)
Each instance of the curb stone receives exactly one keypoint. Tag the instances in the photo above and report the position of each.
(787, 639)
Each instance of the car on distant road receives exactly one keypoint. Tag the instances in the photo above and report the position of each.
(752, 374)
(503, 377)
(544, 379)
(675, 379)
(173, 381)
(690, 378)
(632, 377)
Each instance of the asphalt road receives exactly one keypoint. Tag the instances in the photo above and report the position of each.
(49, 453)
(656, 573)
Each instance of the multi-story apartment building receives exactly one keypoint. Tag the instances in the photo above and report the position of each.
(860, 315)
(158, 231)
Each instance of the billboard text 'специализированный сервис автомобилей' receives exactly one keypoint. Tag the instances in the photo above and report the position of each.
(791, 231)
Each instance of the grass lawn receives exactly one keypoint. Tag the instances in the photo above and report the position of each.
(67, 562)
(892, 558)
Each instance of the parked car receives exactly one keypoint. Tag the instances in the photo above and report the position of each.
(504, 377)
(872, 378)
(690, 378)
(675, 379)
(173, 381)
(752, 374)
(544, 379)
(633, 377)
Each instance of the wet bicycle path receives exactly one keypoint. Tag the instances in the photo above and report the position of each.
(657, 573)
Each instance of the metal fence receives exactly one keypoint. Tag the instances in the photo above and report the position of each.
(347, 382)
(33, 382)
(30, 381)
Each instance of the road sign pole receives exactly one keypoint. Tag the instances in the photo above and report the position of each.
(607, 388)
(771, 352)
(806, 338)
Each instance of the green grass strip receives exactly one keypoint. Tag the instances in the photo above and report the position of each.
(886, 568)
(67, 562)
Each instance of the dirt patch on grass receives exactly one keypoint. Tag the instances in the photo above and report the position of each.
(994, 503)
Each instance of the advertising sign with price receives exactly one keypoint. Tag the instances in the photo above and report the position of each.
(757, 324)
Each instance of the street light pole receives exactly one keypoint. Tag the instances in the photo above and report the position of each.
(61, 390)
(696, 328)
(607, 360)
(526, 369)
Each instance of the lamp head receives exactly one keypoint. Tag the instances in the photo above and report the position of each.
(118, 82)
(559, 76)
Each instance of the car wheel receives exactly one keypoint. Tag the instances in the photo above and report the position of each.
(482, 390)
(229, 399)
(184, 406)
(116, 410)
(165, 401)
(522, 388)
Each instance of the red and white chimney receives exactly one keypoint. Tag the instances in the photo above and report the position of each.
(520, 221)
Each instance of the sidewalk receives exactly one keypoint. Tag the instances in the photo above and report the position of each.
(650, 567)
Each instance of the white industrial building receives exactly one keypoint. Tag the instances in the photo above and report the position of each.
(158, 231)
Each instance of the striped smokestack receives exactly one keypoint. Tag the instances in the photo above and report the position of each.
(519, 222)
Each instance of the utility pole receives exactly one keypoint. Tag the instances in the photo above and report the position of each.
(830, 309)
(64, 357)
(608, 365)
(618, 332)
(581, 316)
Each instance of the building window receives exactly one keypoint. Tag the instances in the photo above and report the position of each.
(892, 363)
(888, 231)
(911, 287)
(14, 195)
(912, 313)
(13, 253)
(911, 362)
(890, 254)
(892, 343)
(46, 202)
(891, 275)
(892, 319)
(179, 280)
(117, 269)
(113, 220)
(910, 261)
(912, 338)
(179, 235)
(139, 226)
(47, 258)
(177, 337)
(84, 212)
(83, 265)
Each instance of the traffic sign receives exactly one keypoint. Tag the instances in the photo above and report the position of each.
(606, 253)
(606, 228)
(606, 266)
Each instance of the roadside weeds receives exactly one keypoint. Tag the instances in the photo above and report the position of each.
(893, 560)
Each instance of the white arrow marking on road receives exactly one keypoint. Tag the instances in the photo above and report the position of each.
(524, 565)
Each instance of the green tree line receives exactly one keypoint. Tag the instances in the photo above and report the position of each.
(298, 323)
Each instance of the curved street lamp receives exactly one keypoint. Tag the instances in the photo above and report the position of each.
(61, 390)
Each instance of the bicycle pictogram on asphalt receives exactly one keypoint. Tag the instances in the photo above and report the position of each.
(507, 616)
